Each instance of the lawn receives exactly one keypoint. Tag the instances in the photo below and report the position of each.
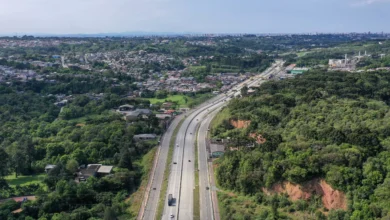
(180, 99)
(24, 180)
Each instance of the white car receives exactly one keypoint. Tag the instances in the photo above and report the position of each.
(172, 216)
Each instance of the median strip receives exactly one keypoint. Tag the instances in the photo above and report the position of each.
(196, 190)
(164, 187)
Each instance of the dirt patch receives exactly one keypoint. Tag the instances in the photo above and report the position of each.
(240, 123)
(17, 211)
(331, 198)
(231, 194)
(258, 137)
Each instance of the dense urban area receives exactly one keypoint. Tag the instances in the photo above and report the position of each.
(279, 126)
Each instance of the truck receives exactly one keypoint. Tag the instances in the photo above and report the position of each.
(170, 199)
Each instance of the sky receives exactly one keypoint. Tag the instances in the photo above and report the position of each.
(196, 16)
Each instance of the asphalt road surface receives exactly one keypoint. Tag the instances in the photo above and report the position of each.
(206, 205)
(181, 178)
(154, 195)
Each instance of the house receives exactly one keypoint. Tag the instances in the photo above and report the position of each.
(137, 114)
(49, 167)
(163, 116)
(170, 112)
(96, 170)
(144, 137)
(104, 170)
(124, 108)
(171, 81)
(167, 105)
(61, 103)
(187, 79)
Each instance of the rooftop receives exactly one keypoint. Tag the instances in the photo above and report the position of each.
(105, 169)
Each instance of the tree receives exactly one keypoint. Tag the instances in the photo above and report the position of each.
(72, 166)
(244, 91)
(109, 214)
(161, 94)
(125, 160)
(4, 163)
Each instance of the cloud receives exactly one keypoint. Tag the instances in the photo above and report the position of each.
(368, 2)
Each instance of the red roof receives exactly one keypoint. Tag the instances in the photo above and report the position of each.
(170, 111)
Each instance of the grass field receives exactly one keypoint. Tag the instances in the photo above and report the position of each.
(24, 180)
(180, 99)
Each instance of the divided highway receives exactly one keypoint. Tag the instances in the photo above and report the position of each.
(181, 179)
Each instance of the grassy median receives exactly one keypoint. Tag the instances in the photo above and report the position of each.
(196, 190)
(161, 202)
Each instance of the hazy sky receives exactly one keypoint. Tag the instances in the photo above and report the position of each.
(207, 16)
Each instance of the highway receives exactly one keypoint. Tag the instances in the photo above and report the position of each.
(206, 205)
(181, 178)
(158, 175)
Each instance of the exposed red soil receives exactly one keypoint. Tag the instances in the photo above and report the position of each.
(259, 138)
(331, 199)
(240, 123)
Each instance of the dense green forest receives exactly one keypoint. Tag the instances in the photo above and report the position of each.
(34, 132)
(330, 125)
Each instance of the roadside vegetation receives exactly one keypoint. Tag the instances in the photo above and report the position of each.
(329, 125)
(181, 101)
(135, 200)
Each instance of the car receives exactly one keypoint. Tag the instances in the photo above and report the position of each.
(190, 133)
(208, 129)
(177, 145)
(154, 188)
(174, 163)
(172, 216)
(189, 160)
(207, 188)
